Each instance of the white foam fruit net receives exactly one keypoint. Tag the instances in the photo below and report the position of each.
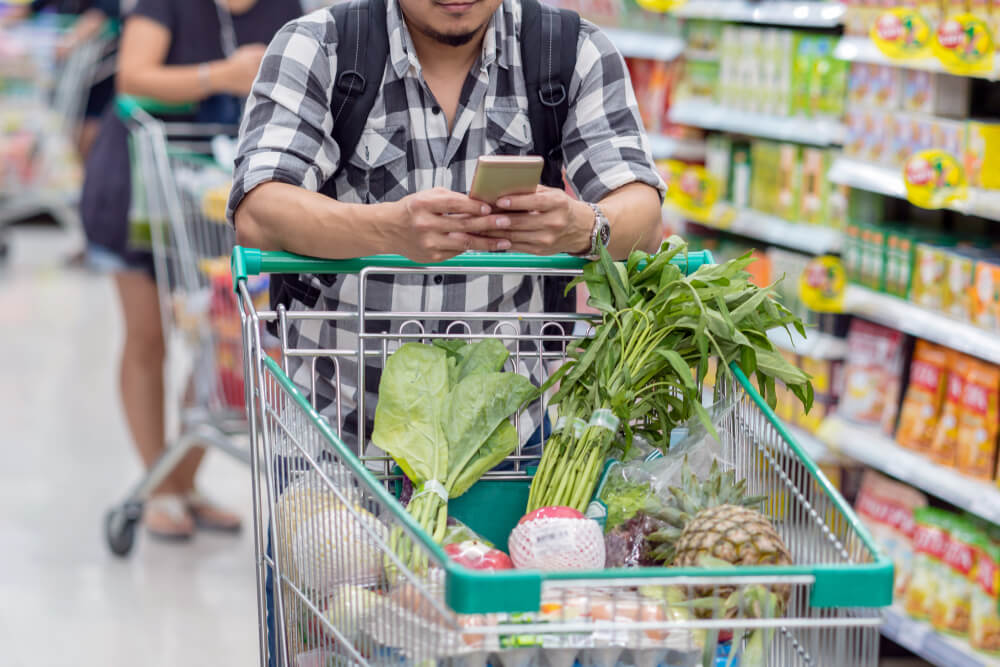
(556, 543)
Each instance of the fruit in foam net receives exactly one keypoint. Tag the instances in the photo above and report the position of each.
(557, 538)
(477, 556)
(338, 546)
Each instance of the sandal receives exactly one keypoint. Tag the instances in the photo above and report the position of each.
(167, 518)
(209, 515)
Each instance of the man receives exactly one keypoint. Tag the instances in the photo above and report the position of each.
(453, 90)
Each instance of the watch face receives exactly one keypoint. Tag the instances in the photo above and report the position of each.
(605, 233)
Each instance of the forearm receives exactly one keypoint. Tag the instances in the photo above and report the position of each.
(278, 216)
(635, 216)
(174, 83)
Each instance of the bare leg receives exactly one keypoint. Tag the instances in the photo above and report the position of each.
(142, 387)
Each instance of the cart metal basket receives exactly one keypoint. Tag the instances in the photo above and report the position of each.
(178, 209)
(332, 590)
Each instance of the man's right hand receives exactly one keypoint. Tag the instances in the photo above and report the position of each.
(437, 224)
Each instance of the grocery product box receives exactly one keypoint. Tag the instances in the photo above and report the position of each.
(815, 187)
(872, 372)
(949, 136)
(982, 154)
(719, 161)
(958, 286)
(741, 179)
(979, 421)
(859, 84)
(789, 181)
(886, 87)
(851, 252)
(854, 133)
(935, 93)
(930, 271)
(986, 295)
(924, 396)
(899, 258)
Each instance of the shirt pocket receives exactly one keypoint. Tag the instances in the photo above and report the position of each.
(378, 165)
(508, 132)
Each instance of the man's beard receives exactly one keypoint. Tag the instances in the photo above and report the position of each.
(460, 39)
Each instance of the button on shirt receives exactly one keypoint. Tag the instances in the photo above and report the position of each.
(404, 149)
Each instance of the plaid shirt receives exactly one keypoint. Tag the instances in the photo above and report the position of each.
(407, 147)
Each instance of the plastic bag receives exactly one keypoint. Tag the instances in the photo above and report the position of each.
(632, 493)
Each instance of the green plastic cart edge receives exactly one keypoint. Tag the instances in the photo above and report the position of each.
(470, 592)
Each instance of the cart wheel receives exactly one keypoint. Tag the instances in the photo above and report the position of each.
(119, 529)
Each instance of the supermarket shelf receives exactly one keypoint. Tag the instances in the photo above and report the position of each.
(803, 14)
(812, 239)
(863, 50)
(815, 345)
(664, 148)
(637, 44)
(815, 131)
(889, 181)
(910, 318)
(869, 446)
(922, 640)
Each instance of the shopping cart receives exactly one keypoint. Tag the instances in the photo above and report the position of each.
(178, 206)
(42, 103)
(326, 517)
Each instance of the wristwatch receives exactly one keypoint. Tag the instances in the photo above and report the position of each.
(601, 234)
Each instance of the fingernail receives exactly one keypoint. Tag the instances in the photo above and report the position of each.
(503, 244)
(485, 210)
(503, 221)
(504, 203)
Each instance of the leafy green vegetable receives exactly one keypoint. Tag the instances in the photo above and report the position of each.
(649, 357)
(444, 416)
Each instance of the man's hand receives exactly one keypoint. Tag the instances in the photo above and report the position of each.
(241, 68)
(545, 222)
(437, 224)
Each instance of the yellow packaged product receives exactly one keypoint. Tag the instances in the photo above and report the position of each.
(982, 154)
(986, 296)
(924, 395)
(958, 287)
(930, 539)
(952, 605)
(977, 423)
(984, 623)
(945, 442)
(930, 268)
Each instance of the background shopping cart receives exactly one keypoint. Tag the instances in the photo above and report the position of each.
(178, 205)
(42, 102)
(326, 517)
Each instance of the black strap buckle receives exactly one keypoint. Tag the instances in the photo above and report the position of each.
(351, 82)
(551, 95)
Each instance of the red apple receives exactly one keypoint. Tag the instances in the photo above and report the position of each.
(478, 556)
(553, 512)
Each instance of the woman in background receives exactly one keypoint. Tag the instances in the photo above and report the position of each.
(176, 51)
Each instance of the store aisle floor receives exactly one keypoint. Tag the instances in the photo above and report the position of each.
(64, 599)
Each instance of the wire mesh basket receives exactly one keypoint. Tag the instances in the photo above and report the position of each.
(334, 589)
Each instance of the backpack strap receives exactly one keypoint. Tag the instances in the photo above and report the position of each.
(362, 50)
(548, 56)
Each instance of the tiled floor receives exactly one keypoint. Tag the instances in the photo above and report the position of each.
(64, 600)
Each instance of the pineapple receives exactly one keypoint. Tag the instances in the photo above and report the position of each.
(714, 522)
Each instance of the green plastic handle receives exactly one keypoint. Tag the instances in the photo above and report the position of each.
(252, 262)
(127, 106)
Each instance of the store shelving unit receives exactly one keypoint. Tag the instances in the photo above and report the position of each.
(816, 345)
(864, 50)
(889, 181)
(638, 44)
(870, 446)
(934, 647)
(800, 14)
(710, 116)
(917, 321)
(664, 148)
(812, 239)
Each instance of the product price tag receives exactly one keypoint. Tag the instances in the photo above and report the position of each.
(965, 45)
(902, 33)
(661, 5)
(934, 179)
(822, 285)
(691, 189)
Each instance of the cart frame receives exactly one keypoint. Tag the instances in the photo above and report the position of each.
(831, 615)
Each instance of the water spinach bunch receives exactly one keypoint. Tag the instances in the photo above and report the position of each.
(643, 370)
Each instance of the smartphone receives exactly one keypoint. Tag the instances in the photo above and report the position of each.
(500, 175)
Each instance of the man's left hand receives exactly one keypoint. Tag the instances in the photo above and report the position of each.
(546, 222)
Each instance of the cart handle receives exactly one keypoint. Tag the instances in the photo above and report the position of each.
(251, 262)
(128, 106)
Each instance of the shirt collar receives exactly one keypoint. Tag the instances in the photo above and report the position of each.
(497, 41)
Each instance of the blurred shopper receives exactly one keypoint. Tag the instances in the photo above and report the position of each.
(175, 51)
